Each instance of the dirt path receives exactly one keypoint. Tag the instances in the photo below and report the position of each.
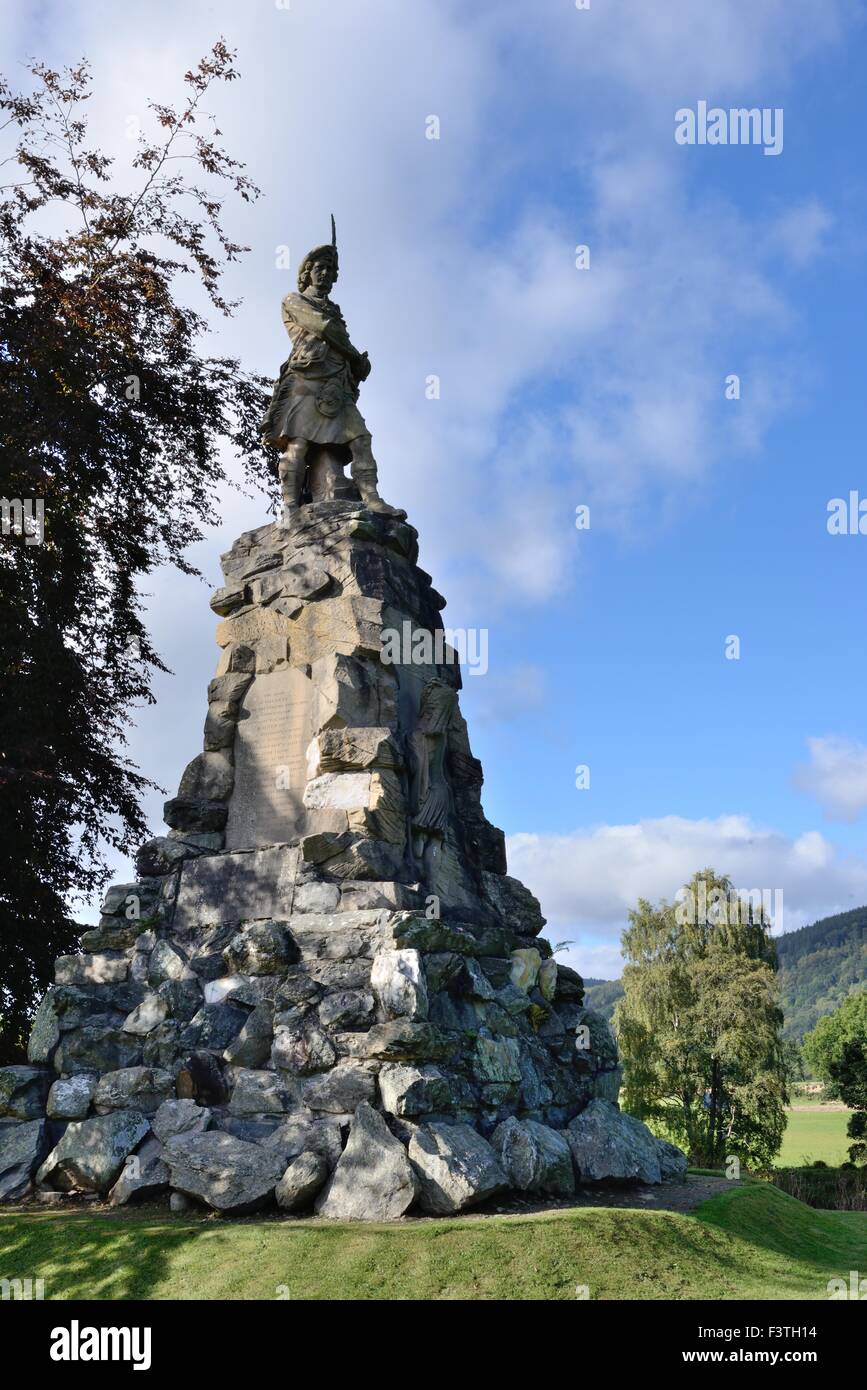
(682, 1196)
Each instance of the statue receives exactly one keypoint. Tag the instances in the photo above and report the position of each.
(429, 789)
(313, 409)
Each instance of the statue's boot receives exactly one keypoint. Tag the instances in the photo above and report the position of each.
(291, 472)
(364, 478)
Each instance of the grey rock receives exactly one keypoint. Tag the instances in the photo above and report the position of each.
(340, 1090)
(97, 1047)
(398, 982)
(456, 1168)
(162, 854)
(252, 1046)
(404, 1040)
(144, 1175)
(180, 1117)
(147, 1015)
(70, 1097)
(179, 1203)
(514, 903)
(406, 1090)
(672, 1161)
(608, 1145)
(534, 1157)
(302, 1050)
(23, 1092)
(166, 963)
(209, 777)
(302, 1180)
(45, 1033)
(265, 948)
(373, 1180)
(22, 1149)
(90, 970)
(298, 1133)
(133, 1088)
(214, 1026)
(227, 1174)
(497, 1059)
(258, 1093)
(347, 1008)
(92, 1153)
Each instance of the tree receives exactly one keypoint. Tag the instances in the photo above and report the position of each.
(836, 1049)
(699, 1024)
(115, 423)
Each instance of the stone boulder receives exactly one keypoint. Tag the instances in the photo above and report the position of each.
(265, 948)
(92, 1153)
(298, 1134)
(406, 1090)
(374, 1180)
(144, 1175)
(70, 1097)
(133, 1088)
(23, 1092)
(534, 1157)
(22, 1149)
(228, 1174)
(398, 982)
(301, 1181)
(672, 1161)
(456, 1168)
(610, 1146)
(180, 1117)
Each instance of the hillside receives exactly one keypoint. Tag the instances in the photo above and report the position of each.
(819, 966)
(752, 1242)
(602, 995)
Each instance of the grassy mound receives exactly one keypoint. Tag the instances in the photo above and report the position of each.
(752, 1242)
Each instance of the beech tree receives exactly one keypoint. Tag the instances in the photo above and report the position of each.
(699, 1024)
(115, 423)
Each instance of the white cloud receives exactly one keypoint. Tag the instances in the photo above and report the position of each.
(587, 881)
(836, 776)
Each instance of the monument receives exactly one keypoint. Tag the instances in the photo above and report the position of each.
(324, 990)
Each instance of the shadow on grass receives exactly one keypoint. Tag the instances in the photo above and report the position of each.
(81, 1255)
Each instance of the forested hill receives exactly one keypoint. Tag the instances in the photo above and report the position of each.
(819, 966)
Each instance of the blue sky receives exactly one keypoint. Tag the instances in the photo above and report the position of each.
(561, 387)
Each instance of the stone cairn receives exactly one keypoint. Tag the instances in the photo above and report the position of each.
(324, 989)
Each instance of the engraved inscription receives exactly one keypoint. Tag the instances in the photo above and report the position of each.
(271, 741)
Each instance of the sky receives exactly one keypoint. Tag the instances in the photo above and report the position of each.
(605, 385)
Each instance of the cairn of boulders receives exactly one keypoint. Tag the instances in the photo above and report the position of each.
(323, 992)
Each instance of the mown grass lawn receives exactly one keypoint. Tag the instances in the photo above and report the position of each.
(752, 1242)
(812, 1134)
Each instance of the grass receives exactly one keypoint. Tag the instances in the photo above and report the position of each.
(752, 1242)
(812, 1134)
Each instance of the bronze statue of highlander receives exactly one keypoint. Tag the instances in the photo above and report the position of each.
(313, 408)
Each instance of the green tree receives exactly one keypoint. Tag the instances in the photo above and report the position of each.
(699, 1024)
(117, 424)
(836, 1049)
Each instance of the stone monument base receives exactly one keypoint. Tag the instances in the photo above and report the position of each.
(324, 992)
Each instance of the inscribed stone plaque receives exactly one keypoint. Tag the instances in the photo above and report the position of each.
(274, 729)
(235, 887)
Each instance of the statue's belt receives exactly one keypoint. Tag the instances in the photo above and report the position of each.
(331, 393)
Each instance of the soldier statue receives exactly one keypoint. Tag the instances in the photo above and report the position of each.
(314, 401)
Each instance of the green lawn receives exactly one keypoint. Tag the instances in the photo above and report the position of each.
(751, 1242)
(812, 1134)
